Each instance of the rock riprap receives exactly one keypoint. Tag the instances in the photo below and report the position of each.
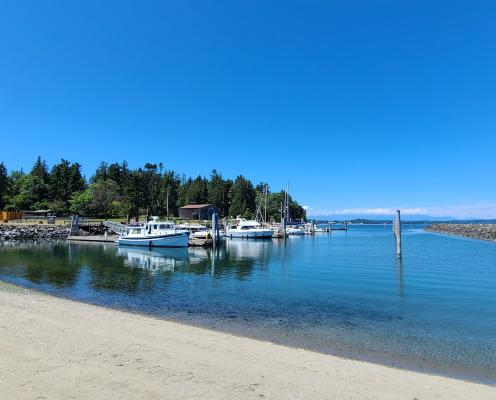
(475, 231)
(31, 232)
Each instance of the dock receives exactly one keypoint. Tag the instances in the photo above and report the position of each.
(197, 242)
(96, 238)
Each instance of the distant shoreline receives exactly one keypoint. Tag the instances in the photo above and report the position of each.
(475, 231)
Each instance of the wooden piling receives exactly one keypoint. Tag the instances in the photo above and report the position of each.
(215, 228)
(397, 232)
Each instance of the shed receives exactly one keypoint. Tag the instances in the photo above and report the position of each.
(36, 214)
(197, 211)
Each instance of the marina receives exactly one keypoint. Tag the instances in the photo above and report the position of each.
(248, 200)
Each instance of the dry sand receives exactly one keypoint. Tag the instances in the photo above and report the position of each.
(52, 348)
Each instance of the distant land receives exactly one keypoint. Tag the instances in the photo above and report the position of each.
(381, 218)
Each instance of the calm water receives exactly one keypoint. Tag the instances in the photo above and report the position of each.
(345, 294)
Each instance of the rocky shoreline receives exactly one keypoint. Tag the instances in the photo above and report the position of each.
(32, 232)
(475, 231)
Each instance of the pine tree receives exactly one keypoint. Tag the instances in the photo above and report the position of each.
(218, 192)
(4, 185)
(242, 196)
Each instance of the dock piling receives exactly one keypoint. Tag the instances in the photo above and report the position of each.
(397, 232)
(215, 228)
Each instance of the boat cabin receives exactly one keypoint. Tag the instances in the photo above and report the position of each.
(151, 228)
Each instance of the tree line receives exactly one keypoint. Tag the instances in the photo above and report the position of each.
(115, 190)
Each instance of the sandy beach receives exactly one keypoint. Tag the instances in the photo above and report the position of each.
(53, 348)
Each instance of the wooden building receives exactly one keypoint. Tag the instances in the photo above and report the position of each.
(197, 211)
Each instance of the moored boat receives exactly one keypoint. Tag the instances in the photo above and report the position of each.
(154, 233)
(294, 231)
(244, 228)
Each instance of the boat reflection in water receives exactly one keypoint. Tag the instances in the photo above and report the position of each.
(157, 259)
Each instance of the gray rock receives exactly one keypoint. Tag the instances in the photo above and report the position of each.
(475, 231)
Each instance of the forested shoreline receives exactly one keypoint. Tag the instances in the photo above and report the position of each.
(115, 190)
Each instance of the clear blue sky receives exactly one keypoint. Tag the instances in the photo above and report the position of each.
(361, 105)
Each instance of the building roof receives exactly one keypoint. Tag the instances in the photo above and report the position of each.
(196, 206)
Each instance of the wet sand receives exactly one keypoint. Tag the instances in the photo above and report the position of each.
(60, 349)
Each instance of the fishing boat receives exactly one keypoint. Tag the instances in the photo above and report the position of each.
(154, 233)
(243, 228)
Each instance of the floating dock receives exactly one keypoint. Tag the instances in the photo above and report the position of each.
(197, 242)
(96, 239)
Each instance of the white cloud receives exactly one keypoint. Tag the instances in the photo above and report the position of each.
(462, 211)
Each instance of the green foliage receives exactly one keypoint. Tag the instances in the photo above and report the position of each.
(4, 185)
(117, 191)
(104, 194)
(65, 180)
(218, 192)
(242, 198)
(275, 203)
(80, 202)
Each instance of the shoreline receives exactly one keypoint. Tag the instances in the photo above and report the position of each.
(259, 332)
(193, 360)
(485, 232)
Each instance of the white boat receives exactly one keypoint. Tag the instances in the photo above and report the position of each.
(154, 233)
(244, 228)
(311, 229)
(294, 231)
(198, 231)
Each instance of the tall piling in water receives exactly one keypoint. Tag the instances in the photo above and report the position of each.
(397, 232)
(215, 228)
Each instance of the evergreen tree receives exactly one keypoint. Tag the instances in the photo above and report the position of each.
(242, 197)
(118, 173)
(100, 173)
(218, 192)
(40, 170)
(65, 180)
(132, 193)
(76, 180)
(169, 192)
(4, 185)
(184, 191)
(198, 190)
(118, 191)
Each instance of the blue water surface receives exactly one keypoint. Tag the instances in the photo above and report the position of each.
(346, 293)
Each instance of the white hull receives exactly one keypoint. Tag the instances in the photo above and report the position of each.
(295, 232)
(179, 239)
(204, 234)
(254, 234)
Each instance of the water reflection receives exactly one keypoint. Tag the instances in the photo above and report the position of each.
(154, 260)
(399, 272)
(124, 268)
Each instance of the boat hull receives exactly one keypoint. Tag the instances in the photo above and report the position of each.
(258, 234)
(295, 232)
(170, 240)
